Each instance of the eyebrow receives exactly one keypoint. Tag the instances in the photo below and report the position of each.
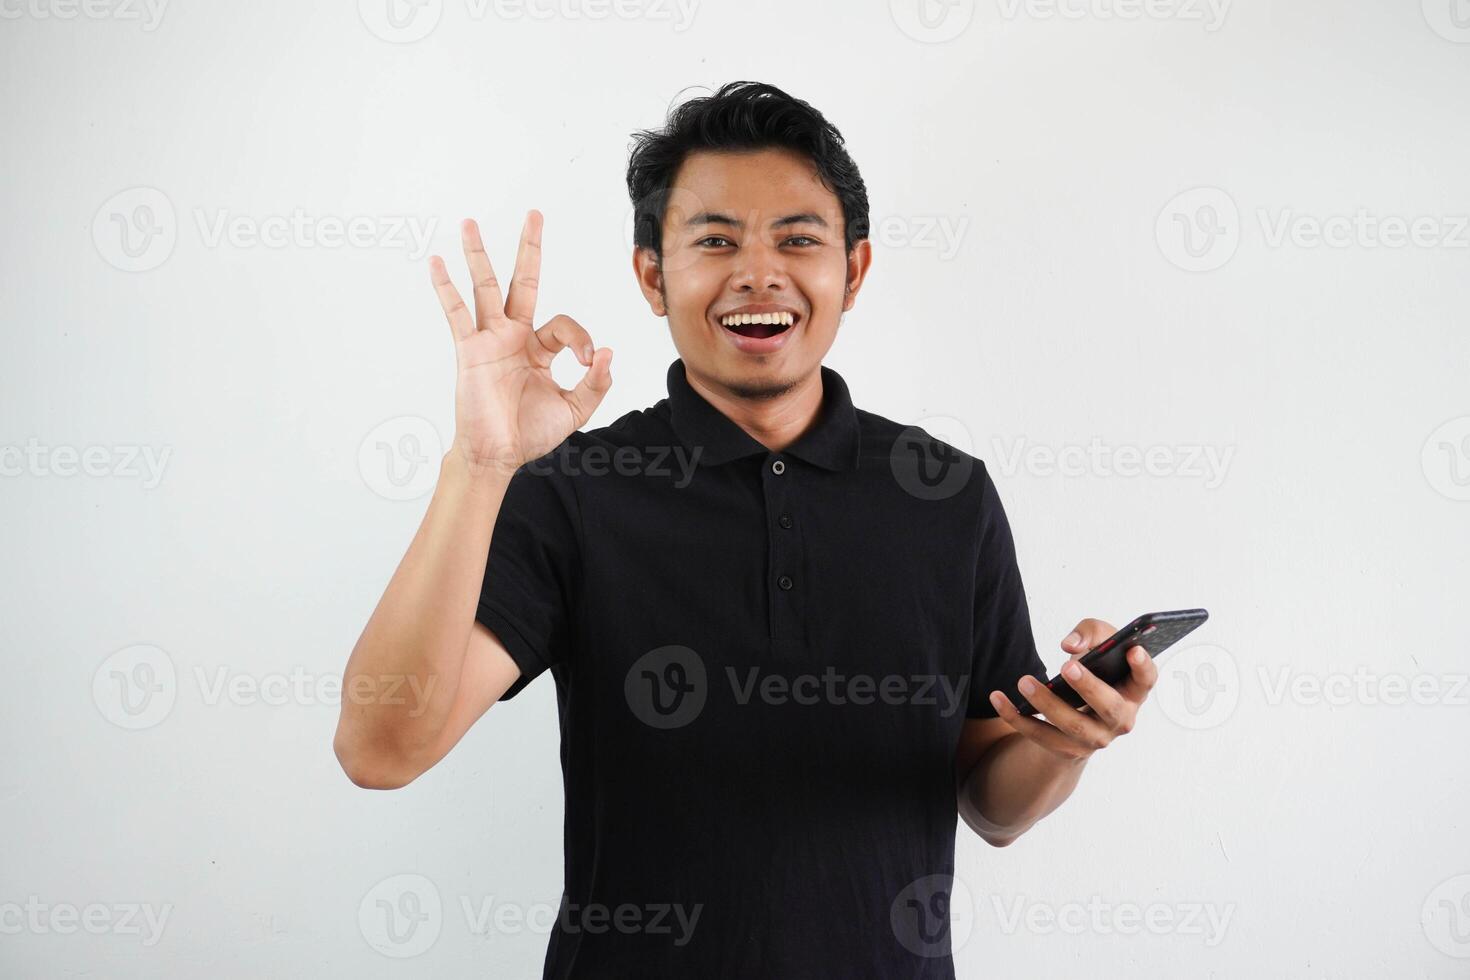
(716, 218)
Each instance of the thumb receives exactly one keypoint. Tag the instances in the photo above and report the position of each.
(1087, 634)
(1075, 643)
(589, 392)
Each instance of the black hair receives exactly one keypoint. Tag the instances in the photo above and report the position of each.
(740, 116)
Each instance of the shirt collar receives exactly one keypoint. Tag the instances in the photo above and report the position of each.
(831, 443)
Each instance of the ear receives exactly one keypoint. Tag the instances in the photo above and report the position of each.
(650, 277)
(859, 260)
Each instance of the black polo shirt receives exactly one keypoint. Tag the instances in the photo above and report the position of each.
(763, 661)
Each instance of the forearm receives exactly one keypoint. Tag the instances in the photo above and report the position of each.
(402, 677)
(1014, 785)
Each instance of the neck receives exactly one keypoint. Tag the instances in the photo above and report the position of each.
(774, 420)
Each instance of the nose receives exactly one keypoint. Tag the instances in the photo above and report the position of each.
(759, 268)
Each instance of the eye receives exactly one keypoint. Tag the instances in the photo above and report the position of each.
(714, 238)
(806, 238)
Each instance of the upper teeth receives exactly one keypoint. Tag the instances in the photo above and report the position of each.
(735, 319)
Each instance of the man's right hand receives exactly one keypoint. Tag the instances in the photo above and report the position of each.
(508, 408)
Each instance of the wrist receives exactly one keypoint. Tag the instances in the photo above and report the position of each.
(1050, 759)
(481, 476)
(1065, 763)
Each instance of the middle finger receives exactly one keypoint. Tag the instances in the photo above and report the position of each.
(1063, 715)
(521, 300)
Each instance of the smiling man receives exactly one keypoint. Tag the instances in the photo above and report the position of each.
(777, 672)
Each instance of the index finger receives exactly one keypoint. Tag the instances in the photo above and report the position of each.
(1143, 673)
(489, 304)
(1104, 699)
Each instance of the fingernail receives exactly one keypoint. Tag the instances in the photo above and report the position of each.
(587, 352)
(995, 701)
(1071, 670)
(1073, 638)
(1027, 685)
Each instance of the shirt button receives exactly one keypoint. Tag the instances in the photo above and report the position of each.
(784, 581)
(778, 467)
(785, 520)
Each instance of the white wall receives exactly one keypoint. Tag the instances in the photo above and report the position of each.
(1030, 286)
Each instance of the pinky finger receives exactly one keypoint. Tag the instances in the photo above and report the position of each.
(461, 322)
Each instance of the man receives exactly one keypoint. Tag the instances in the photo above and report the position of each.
(778, 637)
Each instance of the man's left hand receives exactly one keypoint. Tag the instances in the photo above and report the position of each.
(1072, 733)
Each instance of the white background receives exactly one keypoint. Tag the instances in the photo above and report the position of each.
(1066, 309)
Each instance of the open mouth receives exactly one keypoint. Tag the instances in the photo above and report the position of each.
(759, 326)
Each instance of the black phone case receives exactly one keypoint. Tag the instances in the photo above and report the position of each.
(1155, 632)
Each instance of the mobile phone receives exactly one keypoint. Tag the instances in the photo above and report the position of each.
(1155, 632)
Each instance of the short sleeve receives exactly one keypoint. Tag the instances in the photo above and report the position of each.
(533, 570)
(1004, 648)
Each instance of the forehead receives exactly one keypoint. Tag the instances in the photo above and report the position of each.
(767, 183)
